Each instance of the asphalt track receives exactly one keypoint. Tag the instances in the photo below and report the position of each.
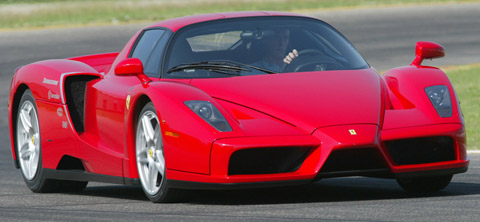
(385, 37)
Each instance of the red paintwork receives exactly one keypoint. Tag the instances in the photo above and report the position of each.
(303, 109)
(101, 62)
(298, 101)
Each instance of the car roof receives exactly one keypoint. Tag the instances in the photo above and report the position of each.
(177, 23)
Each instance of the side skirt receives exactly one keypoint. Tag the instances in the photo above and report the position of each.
(78, 175)
(428, 173)
(232, 186)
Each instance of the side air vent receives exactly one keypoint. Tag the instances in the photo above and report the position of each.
(75, 96)
(70, 163)
(267, 160)
(421, 150)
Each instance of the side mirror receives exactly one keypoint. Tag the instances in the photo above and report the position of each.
(132, 67)
(129, 67)
(427, 50)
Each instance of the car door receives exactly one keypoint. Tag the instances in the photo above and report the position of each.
(109, 94)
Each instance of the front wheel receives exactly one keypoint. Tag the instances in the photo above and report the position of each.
(150, 158)
(424, 184)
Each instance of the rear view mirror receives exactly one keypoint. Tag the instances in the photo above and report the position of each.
(132, 67)
(129, 67)
(427, 50)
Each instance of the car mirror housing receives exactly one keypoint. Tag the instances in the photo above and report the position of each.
(132, 67)
(427, 50)
(129, 67)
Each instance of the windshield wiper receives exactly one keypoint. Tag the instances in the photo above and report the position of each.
(222, 66)
(245, 65)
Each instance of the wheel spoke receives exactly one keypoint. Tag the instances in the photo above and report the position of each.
(25, 120)
(31, 148)
(142, 160)
(34, 159)
(157, 135)
(25, 151)
(160, 167)
(27, 169)
(160, 163)
(152, 177)
(159, 154)
(36, 147)
(147, 129)
(142, 151)
(144, 172)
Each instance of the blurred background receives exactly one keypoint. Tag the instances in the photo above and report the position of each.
(47, 13)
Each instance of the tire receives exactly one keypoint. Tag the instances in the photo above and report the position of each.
(150, 159)
(29, 151)
(425, 184)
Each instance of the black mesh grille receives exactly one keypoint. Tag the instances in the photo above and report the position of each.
(267, 160)
(75, 96)
(421, 150)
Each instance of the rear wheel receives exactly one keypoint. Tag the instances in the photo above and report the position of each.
(150, 158)
(424, 184)
(29, 151)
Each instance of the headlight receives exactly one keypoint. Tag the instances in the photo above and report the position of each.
(440, 98)
(209, 113)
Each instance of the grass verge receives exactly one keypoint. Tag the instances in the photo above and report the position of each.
(466, 81)
(46, 13)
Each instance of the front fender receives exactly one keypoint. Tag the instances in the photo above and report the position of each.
(408, 84)
(187, 138)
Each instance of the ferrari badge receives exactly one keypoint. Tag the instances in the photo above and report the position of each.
(128, 102)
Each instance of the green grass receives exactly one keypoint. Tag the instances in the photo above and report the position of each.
(466, 81)
(46, 13)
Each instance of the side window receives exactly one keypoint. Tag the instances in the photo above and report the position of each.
(152, 67)
(149, 50)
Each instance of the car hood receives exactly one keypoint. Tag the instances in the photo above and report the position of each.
(308, 100)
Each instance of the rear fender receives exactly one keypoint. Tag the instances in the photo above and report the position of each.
(45, 80)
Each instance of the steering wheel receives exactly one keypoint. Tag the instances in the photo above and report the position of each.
(312, 60)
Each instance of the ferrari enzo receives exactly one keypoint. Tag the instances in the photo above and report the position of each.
(234, 100)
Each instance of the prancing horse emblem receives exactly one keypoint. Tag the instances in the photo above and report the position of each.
(128, 102)
(352, 132)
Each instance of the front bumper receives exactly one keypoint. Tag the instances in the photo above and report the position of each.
(365, 148)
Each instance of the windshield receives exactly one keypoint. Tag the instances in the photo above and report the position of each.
(259, 45)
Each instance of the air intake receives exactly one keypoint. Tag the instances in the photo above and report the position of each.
(421, 150)
(267, 160)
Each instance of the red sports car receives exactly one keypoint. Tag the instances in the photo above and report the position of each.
(234, 100)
